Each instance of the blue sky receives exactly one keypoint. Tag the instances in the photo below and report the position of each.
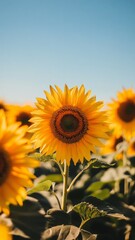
(47, 42)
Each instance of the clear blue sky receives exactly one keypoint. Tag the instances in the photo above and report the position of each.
(43, 42)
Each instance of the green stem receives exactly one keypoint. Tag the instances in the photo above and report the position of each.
(83, 222)
(55, 195)
(65, 186)
(60, 166)
(117, 186)
(125, 164)
(76, 177)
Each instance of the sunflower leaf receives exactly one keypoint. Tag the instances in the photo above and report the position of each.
(101, 194)
(25, 219)
(40, 157)
(88, 211)
(41, 186)
(53, 177)
(97, 163)
(97, 190)
(61, 232)
(95, 186)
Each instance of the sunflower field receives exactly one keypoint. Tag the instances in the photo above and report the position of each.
(67, 167)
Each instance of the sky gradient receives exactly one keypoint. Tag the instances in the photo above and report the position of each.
(47, 42)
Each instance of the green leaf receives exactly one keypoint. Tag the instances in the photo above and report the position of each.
(26, 217)
(87, 235)
(40, 157)
(54, 178)
(41, 186)
(95, 186)
(61, 232)
(97, 163)
(67, 232)
(88, 211)
(101, 194)
(96, 190)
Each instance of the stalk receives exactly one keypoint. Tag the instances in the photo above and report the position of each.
(65, 186)
(77, 176)
(125, 164)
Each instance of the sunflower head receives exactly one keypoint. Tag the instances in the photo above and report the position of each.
(15, 175)
(131, 148)
(20, 114)
(69, 123)
(111, 146)
(122, 113)
(3, 106)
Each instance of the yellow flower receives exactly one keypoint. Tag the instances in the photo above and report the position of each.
(69, 123)
(111, 146)
(122, 113)
(18, 113)
(14, 164)
(131, 148)
(4, 232)
(3, 105)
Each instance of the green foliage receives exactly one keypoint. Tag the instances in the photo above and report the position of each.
(88, 211)
(41, 157)
(57, 178)
(101, 199)
(101, 194)
(98, 189)
(67, 232)
(26, 217)
(97, 163)
(95, 186)
(41, 186)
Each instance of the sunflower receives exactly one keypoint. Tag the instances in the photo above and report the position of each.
(112, 146)
(122, 113)
(131, 148)
(14, 164)
(68, 123)
(4, 231)
(18, 113)
(3, 105)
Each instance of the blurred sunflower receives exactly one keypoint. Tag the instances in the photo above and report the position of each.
(4, 231)
(131, 148)
(69, 123)
(122, 113)
(20, 113)
(111, 146)
(14, 164)
(3, 105)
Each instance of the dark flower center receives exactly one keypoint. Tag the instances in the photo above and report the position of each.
(24, 118)
(126, 111)
(4, 166)
(69, 124)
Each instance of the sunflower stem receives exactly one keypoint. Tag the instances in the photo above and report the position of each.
(55, 195)
(60, 167)
(65, 186)
(125, 164)
(76, 177)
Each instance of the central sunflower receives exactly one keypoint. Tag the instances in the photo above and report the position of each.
(69, 123)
